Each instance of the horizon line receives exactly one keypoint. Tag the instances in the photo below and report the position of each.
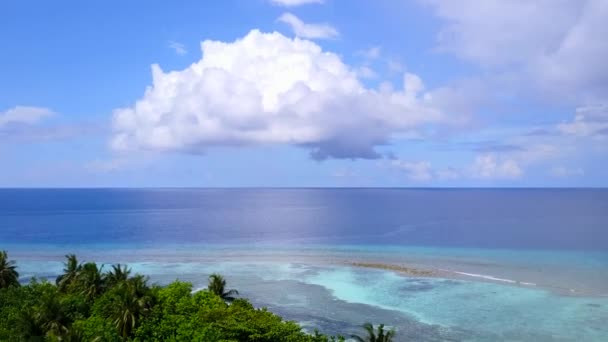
(310, 187)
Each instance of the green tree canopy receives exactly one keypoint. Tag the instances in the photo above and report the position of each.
(86, 304)
(8, 271)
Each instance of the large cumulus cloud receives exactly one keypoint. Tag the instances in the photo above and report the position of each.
(266, 88)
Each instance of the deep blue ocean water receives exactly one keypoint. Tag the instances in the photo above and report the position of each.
(519, 265)
(485, 218)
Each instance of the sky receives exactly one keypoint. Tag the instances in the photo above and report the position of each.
(304, 93)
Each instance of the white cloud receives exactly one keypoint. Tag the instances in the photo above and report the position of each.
(512, 161)
(22, 124)
(447, 174)
(485, 167)
(539, 44)
(490, 166)
(498, 33)
(424, 172)
(24, 115)
(179, 48)
(506, 165)
(293, 3)
(589, 121)
(310, 31)
(269, 89)
(515, 153)
(365, 71)
(415, 171)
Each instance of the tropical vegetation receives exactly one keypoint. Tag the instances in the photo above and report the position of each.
(87, 303)
(8, 272)
(217, 286)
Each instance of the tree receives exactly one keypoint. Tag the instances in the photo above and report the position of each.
(94, 329)
(217, 286)
(90, 280)
(41, 315)
(91, 309)
(8, 272)
(71, 267)
(130, 300)
(379, 336)
(51, 315)
(117, 275)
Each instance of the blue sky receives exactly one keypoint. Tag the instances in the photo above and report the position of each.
(303, 93)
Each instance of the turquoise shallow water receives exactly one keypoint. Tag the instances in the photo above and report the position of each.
(564, 271)
(488, 311)
(317, 287)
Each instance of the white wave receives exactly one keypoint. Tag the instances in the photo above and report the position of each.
(526, 283)
(489, 277)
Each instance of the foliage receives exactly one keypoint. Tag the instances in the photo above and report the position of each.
(87, 304)
(217, 286)
(71, 267)
(95, 328)
(89, 281)
(8, 272)
(117, 275)
(128, 302)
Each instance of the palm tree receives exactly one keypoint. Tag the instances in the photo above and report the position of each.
(71, 268)
(131, 301)
(117, 275)
(8, 272)
(90, 280)
(379, 336)
(217, 285)
(139, 285)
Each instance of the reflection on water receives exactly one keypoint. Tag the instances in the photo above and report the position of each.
(488, 218)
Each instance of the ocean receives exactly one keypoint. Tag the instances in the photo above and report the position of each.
(507, 264)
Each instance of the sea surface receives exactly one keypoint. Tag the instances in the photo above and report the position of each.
(507, 264)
